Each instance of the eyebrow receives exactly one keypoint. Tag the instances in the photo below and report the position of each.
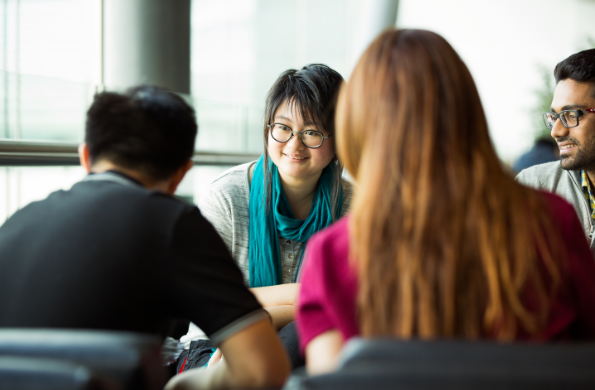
(569, 107)
(283, 117)
(306, 124)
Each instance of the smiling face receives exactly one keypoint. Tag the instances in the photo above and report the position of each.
(577, 144)
(293, 159)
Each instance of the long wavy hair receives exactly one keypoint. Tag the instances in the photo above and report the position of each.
(445, 241)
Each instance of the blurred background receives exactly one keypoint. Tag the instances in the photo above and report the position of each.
(223, 55)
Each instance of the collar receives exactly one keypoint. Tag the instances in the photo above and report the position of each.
(576, 175)
(586, 186)
(585, 181)
(115, 177)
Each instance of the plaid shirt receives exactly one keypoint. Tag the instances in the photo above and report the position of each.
(588, 194)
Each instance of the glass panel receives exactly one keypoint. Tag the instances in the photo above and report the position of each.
(228, 127)
(51, 38)
(41, 108)
(38, 108)
(240, 47)
(20, 186)
(511, 63)
(23, 185)
(197, 180)
(43, 43)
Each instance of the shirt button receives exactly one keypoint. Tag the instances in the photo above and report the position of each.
(288, 242)
(290, 256)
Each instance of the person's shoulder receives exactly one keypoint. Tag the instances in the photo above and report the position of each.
(335, 230)
(561, 212)
(347, 195)
(328, 256)
(37, 208)
(555, 202)
(347, 186)
(538, 175)
(156, 205)
(232, 180)
(134, 199)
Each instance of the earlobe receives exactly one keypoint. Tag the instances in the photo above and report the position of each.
(83, 151)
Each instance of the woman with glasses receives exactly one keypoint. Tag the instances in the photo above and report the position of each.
(266, 211)
(440, 242)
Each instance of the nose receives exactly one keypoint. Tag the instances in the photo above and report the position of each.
(296, 138)
(559, 130)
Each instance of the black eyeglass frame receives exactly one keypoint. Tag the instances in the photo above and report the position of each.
(299, 134)
(561, 117)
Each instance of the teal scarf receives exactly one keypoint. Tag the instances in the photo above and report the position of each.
(267, 225)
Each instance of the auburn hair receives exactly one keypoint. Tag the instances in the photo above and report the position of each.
(445, 241)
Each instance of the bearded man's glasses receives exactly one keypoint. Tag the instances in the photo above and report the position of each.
(569, 118)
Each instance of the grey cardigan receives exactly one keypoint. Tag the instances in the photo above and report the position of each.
(553, 178)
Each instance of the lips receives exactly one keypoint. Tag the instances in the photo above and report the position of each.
(565, 147)
(295, 157)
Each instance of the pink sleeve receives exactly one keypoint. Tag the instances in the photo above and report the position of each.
(312, 318)
(582, 270)
(327, 295)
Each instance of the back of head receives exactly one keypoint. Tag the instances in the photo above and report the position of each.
(410, 90)
(434, 215)
(578, 67)
(146, 129)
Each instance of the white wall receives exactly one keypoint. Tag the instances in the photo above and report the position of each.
(503, 42)
(240, 47)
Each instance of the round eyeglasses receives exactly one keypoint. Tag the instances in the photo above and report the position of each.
(312, 139)
(569, 118)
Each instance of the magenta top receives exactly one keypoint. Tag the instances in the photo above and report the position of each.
(327, 298)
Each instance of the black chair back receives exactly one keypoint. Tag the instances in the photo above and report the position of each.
(18, 373)
(460, 365)
(120, 358)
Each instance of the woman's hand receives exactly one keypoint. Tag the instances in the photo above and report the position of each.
(215, 358)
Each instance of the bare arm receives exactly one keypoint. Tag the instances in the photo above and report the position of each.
(254, 357)
(281, 315)
(279, 295)
(322, 352)
(279, 301)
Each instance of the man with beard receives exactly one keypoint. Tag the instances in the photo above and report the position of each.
(572, 123)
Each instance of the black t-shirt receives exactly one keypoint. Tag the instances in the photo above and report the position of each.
(110, 254)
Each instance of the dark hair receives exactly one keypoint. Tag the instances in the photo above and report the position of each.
(578, 67)
(147, 129)
(313, 91)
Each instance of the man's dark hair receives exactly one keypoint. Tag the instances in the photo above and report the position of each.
(579, 67)
(147, 129)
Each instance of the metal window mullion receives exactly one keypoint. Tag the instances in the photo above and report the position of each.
(17, 153)
(17, 128)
